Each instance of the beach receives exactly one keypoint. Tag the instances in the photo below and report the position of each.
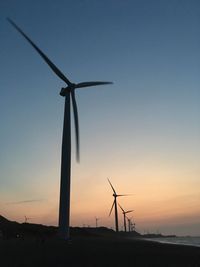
(95, 251)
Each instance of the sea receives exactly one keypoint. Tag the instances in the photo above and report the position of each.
(185, 240)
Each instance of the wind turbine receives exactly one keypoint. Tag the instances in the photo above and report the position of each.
(133, 226)
(69, 90)
(129, 223)
(124, 214)
(26, 219)
(96, 220)
(115, 195)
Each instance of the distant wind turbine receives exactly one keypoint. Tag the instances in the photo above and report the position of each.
(124, 214)
(26, 219)
(64, 209)
(96, 220)
(115, 195)
(129, 223)
(133, 226)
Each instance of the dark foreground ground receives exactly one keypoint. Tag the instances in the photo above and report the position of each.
(95, 251)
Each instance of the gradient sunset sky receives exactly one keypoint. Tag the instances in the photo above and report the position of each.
(142, 132)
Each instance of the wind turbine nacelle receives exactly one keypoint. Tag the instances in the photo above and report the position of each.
(68, 89)
(64, 91)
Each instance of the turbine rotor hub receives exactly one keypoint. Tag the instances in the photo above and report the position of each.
(68, 89)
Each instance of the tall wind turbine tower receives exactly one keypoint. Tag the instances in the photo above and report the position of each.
(124, 215)
(66, 92)
(115, 195)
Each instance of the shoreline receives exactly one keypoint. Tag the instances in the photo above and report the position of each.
(165, 240)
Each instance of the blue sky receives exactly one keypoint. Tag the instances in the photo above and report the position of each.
(142, 131)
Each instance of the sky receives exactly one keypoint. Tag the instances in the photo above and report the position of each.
(142, 132)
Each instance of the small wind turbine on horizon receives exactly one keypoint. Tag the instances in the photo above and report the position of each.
(115, 195)
(124, 215)
(26, 219)
(129, 223)
(67, 92)
(133, 226)
(96, 220)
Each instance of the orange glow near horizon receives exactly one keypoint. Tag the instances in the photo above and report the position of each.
(155, 201)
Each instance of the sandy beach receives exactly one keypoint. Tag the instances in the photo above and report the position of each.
(95, 251)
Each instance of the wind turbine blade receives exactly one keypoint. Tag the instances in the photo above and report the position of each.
(129, 211)
(46, 59)
(76, 124)
(87, 84)
(123, 195)
(121, 208)
(112, 187)
(112, 207)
